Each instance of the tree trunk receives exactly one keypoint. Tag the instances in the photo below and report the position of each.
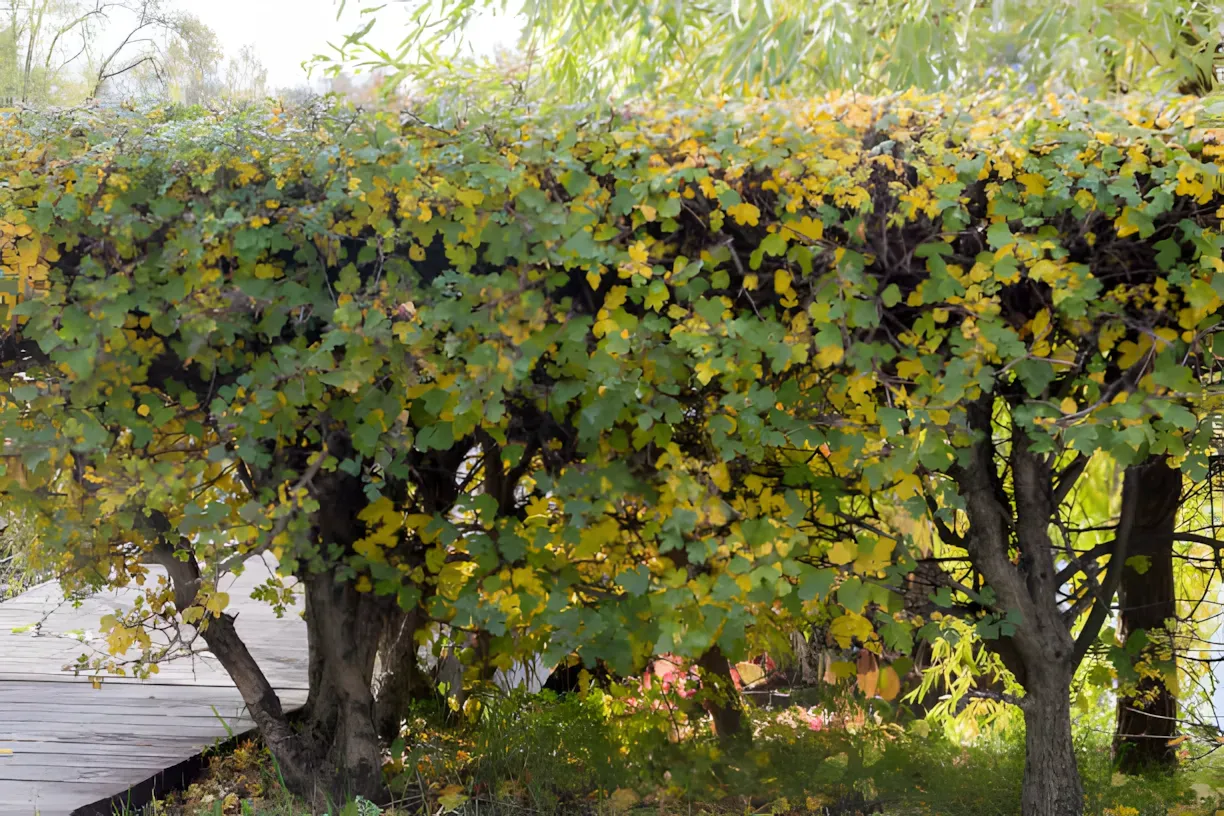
(726, 707)
(36, 21)
(401, 681)
(1147, 718)
(335, 755)
(1051, 779)
(346, 627)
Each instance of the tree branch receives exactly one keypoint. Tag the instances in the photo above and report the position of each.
(1068, 478)
(1113, 575)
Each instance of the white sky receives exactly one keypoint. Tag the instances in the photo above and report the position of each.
(285, 33)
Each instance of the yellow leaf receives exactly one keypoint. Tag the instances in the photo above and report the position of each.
(648, 212)
(471, 198)
(782, 281)
(1068, 406)
(1034, 184)
(745, 213)
(720, 477)
(749, 673)
(810, 228)
(1046, 271)
(1040, 323)
(849, 626)
(6, 751)
(829, 356)
(1178, 740)
(143, 410)
(842, 552)
(638, 253)
(451, 798)
(27, 252)
(622, 799)
(911, 369)
(890, 684)
(217, 602)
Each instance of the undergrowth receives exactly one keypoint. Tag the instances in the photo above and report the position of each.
(17, 574)
(542, 754)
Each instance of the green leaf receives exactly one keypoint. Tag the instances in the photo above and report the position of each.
(438, 436)
(1139, 563)
(999, 235)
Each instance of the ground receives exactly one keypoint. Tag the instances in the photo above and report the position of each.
(578, 755)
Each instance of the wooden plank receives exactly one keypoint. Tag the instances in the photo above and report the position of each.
(74, 745)
(28, 798)
(131, 750)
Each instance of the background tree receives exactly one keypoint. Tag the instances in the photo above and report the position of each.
(630, 48)
(42, 39)
(138, 21)
(191, 69)
(246, 79)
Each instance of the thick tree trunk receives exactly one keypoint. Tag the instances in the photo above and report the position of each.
(1051, 779)
(1147, 718)
(346, 627)
(335, 753)
(726, 708)
(401, 681)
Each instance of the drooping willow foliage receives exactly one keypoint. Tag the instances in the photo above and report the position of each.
(583, 50)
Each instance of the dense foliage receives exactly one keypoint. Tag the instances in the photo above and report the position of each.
(654, 381)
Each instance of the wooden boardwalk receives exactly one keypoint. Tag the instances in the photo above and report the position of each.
(73, 745)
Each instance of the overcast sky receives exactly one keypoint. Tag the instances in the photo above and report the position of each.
(288, 32)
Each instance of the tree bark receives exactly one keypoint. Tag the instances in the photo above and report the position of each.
(1147, 718)
(1040, 650)
(335, 754)
(1052, 784)
(401, 681)
(726, 707)
(346, 625)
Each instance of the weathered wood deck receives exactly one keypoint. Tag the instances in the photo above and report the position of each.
(74, 745)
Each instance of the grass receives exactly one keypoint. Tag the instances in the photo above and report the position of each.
(542, 755)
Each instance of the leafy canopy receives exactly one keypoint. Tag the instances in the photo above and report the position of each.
(621, 383)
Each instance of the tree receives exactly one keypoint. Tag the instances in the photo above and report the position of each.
(611, 384)
(141, 20)
(578, 50)
(191, 69)
(1023, 391)
(630, 48)
(189, 66)
(42, 39)
(245, 76)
